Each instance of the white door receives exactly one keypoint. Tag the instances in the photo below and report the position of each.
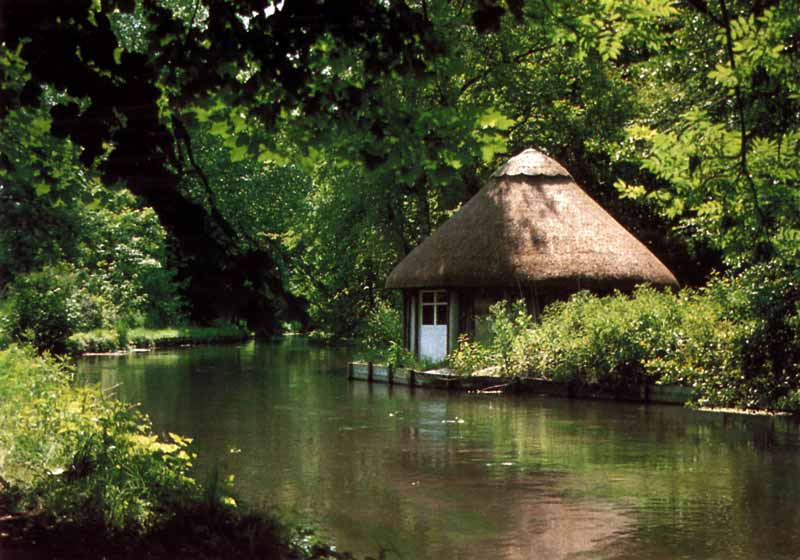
(433, 325)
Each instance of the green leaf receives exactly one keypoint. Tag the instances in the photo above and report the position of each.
(724, 75)
(219, 128)
(268, 156)
(491, 145)
(454, 162)
(40, 126)
(238, 153)
(41, 188)
(632, 192)
(495, 119)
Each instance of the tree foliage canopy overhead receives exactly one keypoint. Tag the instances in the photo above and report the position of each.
(303, 147)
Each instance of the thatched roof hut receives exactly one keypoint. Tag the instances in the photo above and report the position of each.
(530, 232)
(531, 224)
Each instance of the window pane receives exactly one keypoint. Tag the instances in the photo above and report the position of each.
(427, 297)
(441, 314)
(427, 314)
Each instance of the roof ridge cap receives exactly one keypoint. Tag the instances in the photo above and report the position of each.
(532, 163)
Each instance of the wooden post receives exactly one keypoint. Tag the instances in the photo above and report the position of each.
(412, 378)
(390, 374)
(349, 370)
(369, 372)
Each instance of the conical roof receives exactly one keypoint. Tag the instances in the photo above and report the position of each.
(530, 225)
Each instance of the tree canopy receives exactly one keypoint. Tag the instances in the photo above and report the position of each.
(294, 151)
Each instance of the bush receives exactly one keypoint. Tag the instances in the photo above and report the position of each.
(82, 457)
(735, 342)
(39, 307)
(607, 340)
(507, 322)
(469, 356)
(163, 306)
(5, 324)
(384, 326)
(613, 341)
(742, 343)
(46, 306)
(100, 340)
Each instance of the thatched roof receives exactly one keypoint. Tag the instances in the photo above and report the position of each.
(530, 225)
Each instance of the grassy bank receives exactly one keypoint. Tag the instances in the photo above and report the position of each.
(80, 471)
(109, 340)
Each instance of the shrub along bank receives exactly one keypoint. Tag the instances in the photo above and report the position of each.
(109, 340)
(735, 342)
(85, 475)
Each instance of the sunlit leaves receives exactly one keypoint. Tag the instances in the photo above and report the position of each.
(41, 188)
(493, 118)
(724, 76)
(724, 154)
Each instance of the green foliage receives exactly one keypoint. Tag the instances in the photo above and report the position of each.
(719, 127)
(5, 324)
(736, 342)
(45, 307)
(121, 338)
(41, 309)
(743, 348)
(98, 340)
(160, 338)
(383, 327)
(607, 340)
(380, 339)
(341, 247)
(97, 257)
(81, 456)
(506, 322)
(470, 357)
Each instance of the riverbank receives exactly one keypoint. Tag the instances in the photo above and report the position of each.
(107, 341)
(201, 533)
(83, 475)
(446, 379)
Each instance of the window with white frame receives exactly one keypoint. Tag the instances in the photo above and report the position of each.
(434, 307)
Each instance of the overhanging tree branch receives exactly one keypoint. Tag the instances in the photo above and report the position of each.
(743, 164)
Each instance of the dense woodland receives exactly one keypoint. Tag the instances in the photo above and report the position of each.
(208, 162)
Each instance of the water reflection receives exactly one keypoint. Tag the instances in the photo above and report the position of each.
(431, 474)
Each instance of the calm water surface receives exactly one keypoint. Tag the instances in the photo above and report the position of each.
(430, 474)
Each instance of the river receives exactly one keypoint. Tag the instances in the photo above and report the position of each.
(424, 474)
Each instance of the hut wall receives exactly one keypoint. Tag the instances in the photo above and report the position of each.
(406, 320)
(466, 314)
(453, 321)
(412, 323)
